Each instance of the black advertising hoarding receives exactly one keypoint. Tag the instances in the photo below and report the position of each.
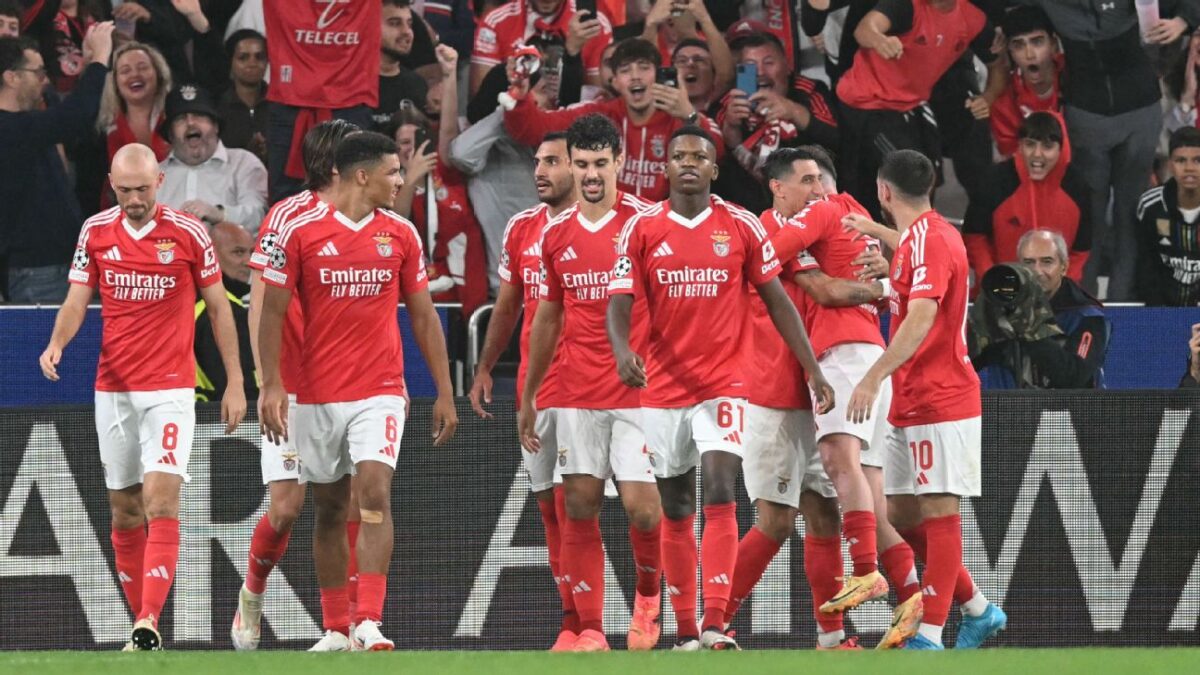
(1088, 533)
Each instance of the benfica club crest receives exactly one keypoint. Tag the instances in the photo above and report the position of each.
(658, 147)
(721, 243)
(166, 252)
(383, 244)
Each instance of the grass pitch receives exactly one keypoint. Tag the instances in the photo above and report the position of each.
(1175, 661)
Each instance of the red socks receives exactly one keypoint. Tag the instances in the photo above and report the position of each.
(372, 589)
(162, 553)
(718, 558)
(129, 547)
(352, 565)
(679, 565)
(964, 586)
(266, 548)
(901, 568)
(755, 551)
(859, 529)
(570, 618)
(647, 557)
(583, 561)
(823, 567)
(335, 610)
(944, 541)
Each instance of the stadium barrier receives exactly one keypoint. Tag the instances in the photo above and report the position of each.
(1087, 534)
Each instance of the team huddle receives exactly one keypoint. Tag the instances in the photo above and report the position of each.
(657, 339)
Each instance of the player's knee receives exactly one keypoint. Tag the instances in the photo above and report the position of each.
(776, 523)
(644, 517)
(329, 513)
(581, 506)
(720, 491)
(127, 516)
(902, 513)
(284, 514)
(678, 507)
(821, 517)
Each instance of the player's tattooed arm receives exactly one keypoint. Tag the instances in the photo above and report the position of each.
(630, 366)
(66, 325)
(789, 324)
(832, 292)
(543, 340)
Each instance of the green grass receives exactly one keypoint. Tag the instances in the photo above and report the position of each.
(1007, 661)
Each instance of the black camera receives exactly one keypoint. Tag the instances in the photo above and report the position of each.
(1002, 284)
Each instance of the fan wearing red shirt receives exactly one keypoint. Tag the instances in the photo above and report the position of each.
(512, 24)
(148, 262)
(351, 262)
(520, 274)
(1033, 85)
(783, 471)
(934, 452)
(647, 114)
(280, 461)
(907, 46)
(598, 418)
(311, 44)
(693, 258)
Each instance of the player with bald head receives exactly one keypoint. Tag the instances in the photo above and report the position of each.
(148, 261)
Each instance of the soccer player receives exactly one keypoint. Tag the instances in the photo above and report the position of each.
(148, 262)
(692, 257)
(598, 422)
(520, 274)
(934, 451)
(783, 470)
(351, 262)
(279, 461)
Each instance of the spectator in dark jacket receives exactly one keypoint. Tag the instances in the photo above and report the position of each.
(233, 245)
(1168, 217)
(184, 35)
(40, 218)
(1036, 189)
(243, 107)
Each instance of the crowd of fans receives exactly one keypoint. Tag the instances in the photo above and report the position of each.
(1068, 120)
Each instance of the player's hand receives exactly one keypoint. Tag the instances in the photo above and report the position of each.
(979, 107)
(445, 420)
(672, 100)
(1166, 31)
(857, 222)
(890, 47)
(481, 392)
(49, 362)
(632, 370)
(447, 58)
(527, 427)
(873, 264)
(862, 400)
(823, 392)
(233, 407)
(273, 404)
(580, 29)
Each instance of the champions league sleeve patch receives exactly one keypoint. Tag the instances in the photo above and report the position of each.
(278, 258)
(623, 267)
(80, 260)
(267, 244)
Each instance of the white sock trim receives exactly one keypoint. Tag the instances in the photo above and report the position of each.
(931, 632)
(831, 639)
(976, 606)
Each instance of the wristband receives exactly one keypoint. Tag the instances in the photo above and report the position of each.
(886, 283)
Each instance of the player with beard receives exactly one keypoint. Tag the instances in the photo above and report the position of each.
(647, 113)
(351, 261)
(598, 423)
(148, 262)
(692, 257)
(783, 469)
(520, 275)
(934, 452)
(279, 461)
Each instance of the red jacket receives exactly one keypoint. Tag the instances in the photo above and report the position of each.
(645, 147)
(458, 249)
(1017, 102)
(1012, 204)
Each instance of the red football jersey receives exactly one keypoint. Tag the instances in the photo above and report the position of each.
(293, 321)
(695, 275)
(313, 44)
(777, 380)
(512, 24)
(521, 266)
(350, 277)
(818, 231)
(938, 384)
(578, 257)
(147, 280)
(934, 43)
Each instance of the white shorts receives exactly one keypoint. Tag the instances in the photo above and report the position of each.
(603, 443)
(844, 366)
(935, 459)
(332, 438)
(781, 458)
(540, 465)
(144, 431)
(281, 461)
(676, 437)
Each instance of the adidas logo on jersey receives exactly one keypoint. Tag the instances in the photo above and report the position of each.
(112, 254)
(568, 254)
(663, 250)
(328, 249)
(535, 250)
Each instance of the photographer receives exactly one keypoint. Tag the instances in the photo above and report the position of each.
(1033, 328)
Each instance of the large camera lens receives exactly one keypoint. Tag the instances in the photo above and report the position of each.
(1002, 284)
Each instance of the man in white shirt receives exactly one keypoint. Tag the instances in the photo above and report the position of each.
(201, 175)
